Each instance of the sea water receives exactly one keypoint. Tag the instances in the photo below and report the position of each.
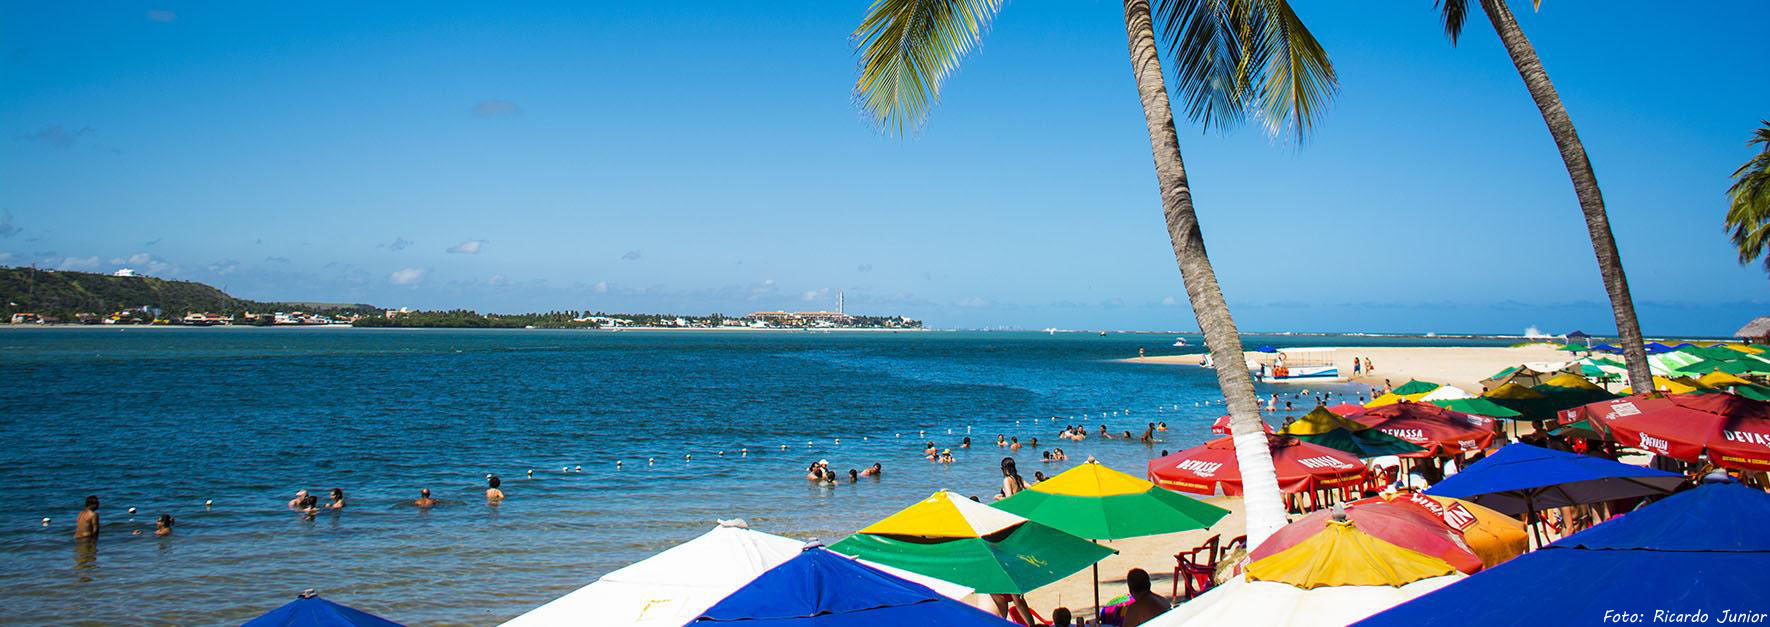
(164, 420)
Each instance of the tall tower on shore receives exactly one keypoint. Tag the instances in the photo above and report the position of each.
(839, 304)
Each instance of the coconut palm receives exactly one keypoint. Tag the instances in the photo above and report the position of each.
(1579, 169)
(1235, 59)
(1748, 213)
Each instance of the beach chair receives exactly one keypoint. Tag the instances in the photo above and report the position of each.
(1195, 567)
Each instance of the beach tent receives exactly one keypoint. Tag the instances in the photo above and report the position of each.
(309, 610)
(1333, 577)
(952, 538)
(1728, 430)
(1212, 467)
(819, 587)
(1521, 478)
(1441, 432)
(1701, 550)
(674, 586)
(1099, 503)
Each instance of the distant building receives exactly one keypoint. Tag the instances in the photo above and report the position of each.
(1756, 331)
(395, 313)
(25, 318)
(124, 272)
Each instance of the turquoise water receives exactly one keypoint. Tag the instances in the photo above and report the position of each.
(164, 419)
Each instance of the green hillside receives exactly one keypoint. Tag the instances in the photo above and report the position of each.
(63, 294)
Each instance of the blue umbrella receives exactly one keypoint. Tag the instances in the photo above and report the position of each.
(1521, 478)
(1698, 551)
(822, 588)
(1606, 348)
(309, 609)
(1266, 348)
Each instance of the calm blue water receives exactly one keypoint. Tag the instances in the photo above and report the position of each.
(164, 419)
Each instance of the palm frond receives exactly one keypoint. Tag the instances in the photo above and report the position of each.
(1240, 58)
(908, 48)
(1453, 12)
(1748, 210)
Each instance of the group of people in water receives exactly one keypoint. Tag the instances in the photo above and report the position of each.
(1079, 432)
(819, 472)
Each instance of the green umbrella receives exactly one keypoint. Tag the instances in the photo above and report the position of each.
(1478, 406)
(951, 538)
(1363, 443)
(1581, 429)
(1752, 391)
(1736, 367)
(1414, 387)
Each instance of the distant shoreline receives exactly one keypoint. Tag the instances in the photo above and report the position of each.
(111, 327)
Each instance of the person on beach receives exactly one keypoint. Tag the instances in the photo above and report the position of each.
(1367, 366)
(1060, 617)
(337, 500)
(1014, 443)
(86, 523)
(1145, 604)
(930, 452)
(300, 497)
(1356, 368)
(424, 499)
(494, 495)
(873, 470)
(946, 456)
(1011, 482)
(163, 526)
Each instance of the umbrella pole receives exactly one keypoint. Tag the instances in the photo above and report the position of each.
(1096, 567)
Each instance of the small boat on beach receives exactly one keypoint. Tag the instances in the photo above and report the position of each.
(1296, 365)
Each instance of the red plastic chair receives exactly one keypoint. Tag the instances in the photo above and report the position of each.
(1195, 567)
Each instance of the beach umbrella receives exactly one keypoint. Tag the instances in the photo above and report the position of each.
(676, 585)
(1674, 385)
(1491, 535)
(1345, 409)
(1266, 348)
(819, 587)
(1363, 443)
(1446, 393)
(1522, 375)
(1099, 503)
(1752, 391)
(1702, 550)
(1731, 430)
(1212, 467)
(950, 537)
(309, 610)
(1570, 390)
(1522, 479)
(1748, 366)
(1719, 380)
(1221, 425)
(1405, 527)
(1606, 348)
(1321, 420)
(1415, 387)
(1441, 432)
(1578, 429)
(1478, 407)
(1333, 577)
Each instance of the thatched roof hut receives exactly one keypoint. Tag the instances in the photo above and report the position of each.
(1756, 331)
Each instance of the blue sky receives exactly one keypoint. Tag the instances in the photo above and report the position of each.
(707, 156)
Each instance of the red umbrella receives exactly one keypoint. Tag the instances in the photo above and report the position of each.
(1399, 525)
(1733, 430)
(1346, 409)
(1301, 466)
(1221, 426)
(1440, 431)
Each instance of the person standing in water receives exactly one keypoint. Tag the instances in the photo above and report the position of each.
(86, 524)
(163, 526)
(494, 495)
(424, 499)
(337, 502)
(1011, 481)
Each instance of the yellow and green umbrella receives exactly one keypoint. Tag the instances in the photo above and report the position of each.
(1344, 555)
(1415, 387)
(1478, 406)
(1318, 421)
(949, 537)
(1099, 503)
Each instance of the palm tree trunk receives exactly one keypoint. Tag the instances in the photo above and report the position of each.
(1585, 186)
(1265, 508)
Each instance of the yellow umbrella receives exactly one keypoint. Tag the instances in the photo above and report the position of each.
(942, 516)
(1718, 380)
(1675, 385)
(1572, 381)
(1492, 536)
(1343, 555)
(1513, 391)
(1319, 421)
(1743, 348)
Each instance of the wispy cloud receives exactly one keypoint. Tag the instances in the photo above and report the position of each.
(56, 135)
(161, 15)
(151, 243)
(973, 303)
(146, 263)
(469, 247)
(407, 276)
(7, 228)
(1169, 300)
(494, 107)
(601, 287)
(77, 263)
(225, 266)
(815, 295)
(865, 267)
(274, 259)
(632, 255)
(398, 244)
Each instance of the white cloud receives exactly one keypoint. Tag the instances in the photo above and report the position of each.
(817, 294)
(1169, 300)
(78, 263)
(498, 279)
(225, 266)
(632, 255)
(469, 247)
(973, 302)
(601, 287)
(398, 244)
(407, 276)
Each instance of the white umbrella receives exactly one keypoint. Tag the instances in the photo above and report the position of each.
(678, 584)
(1447, 393)
(1271, 604)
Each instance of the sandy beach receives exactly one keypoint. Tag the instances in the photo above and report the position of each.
(1154, 554)
(1463, 367)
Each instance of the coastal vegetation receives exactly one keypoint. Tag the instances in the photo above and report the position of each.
(64, 295)
(1579, 170)
(1748, 208)
(469, 319)
(1233, 60)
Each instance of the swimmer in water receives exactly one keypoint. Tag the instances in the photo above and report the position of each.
(873, 470)
(1046, 457)
(295, 503)
(814, 472)
(1034, 443)
(424, 499)
(1149, 434)
(1103, 432)
(1161, 426)
(1014, 443)
(1001, 442)
(494, 495)
(337, 500)
(946, 456)
(966, 443)
(86, 524)
(163, 526)
(853, 475)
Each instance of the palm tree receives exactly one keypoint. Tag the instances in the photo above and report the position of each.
(1579, 168)
(1748, 213)
(1235, 59)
